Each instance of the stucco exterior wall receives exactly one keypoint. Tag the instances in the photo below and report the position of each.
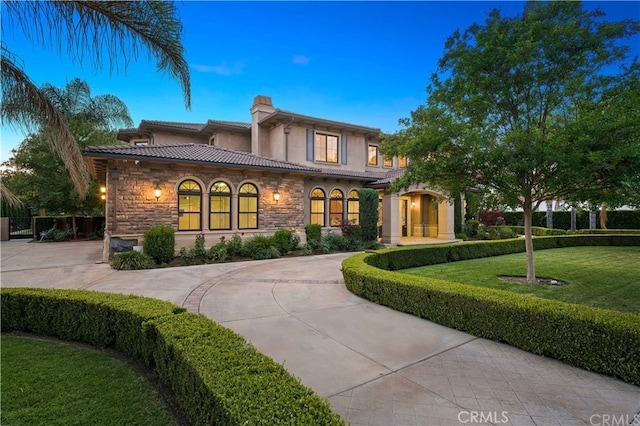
(174, 139)
(234, 141)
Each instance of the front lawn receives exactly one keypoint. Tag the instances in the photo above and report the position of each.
(603, 277)
(58, 383)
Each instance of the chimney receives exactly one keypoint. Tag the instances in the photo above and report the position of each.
(262, 107)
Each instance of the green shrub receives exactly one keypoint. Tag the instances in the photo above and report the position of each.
(538, 231)
(215, 375)
(159, 243)
(462, 236)
(471, 228)
(314, 233)
(590, 338)
(54, 234)
(368, 205)
(219, 252)
(282, 240)
(196, 254)
(501, 232)
(130, 260)
(260, 247)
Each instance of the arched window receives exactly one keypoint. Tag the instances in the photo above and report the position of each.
(220, 206)
(353, 208)
(317, 206)
(248, 206)
(189, 206)
(336, 207)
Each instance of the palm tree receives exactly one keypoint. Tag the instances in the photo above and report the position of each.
(88, 28)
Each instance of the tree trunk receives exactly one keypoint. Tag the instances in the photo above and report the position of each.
(603, 216)
(528, 243)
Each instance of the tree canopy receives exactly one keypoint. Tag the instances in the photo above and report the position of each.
(100, 31)
(38, 174)
(521, 109)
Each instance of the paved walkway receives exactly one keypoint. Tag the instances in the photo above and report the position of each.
(376, 366)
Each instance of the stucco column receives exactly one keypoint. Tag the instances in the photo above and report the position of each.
(446, 220)
(391, 219)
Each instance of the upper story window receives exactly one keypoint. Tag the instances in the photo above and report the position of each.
(317, 206)
(248, 206)
(326, 148)
(220, 206)
(388, 162)
(336, 208)
(372, 158)
(189, 206)
(402, 162)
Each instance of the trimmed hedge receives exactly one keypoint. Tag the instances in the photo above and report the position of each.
(616, 219)
(215, 375)
(593, 339)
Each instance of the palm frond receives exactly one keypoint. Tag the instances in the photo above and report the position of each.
(24, 104)
(112, 30)
(7, 197)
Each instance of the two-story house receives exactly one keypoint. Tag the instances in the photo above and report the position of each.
(281, 170)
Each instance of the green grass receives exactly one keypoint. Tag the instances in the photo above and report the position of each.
(603, 277)
(55, 383)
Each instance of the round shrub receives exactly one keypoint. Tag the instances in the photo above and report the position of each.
(282, 240)
(159, 243)
(260, 247)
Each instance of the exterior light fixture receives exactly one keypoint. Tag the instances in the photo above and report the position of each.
(276, 196)
(413, 204)
(157, 192)
(103, 192)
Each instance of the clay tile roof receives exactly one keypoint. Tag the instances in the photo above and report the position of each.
(192, 153)
(388, 177)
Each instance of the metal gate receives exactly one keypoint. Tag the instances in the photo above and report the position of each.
(20, 227)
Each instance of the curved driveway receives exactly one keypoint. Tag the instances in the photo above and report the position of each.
(376, 366)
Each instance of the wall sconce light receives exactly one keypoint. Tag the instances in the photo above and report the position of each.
(103, 192)
(157, 192)
(413, 204)
(276, 196)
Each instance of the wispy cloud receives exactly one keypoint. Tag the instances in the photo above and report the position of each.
(221, 69)
(300, 60)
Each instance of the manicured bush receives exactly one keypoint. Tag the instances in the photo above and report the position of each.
(159, 243)
(593, 339)
(314, 233)
(500, 232)
(130, 260)
(368, 205)
(100, 319)
(537, 231)
(462, 236)
(282, 239)
(216, 376)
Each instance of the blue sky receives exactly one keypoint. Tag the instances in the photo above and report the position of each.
(365, 63)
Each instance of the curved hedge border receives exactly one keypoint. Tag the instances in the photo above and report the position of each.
(590, 338)
(215, 375)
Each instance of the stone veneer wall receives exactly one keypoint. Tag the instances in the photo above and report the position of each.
(132, 207)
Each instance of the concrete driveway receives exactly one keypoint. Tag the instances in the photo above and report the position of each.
(374, 365)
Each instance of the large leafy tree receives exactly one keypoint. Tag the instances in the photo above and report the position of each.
(511, 112)
(104, 32)
(38, 174)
